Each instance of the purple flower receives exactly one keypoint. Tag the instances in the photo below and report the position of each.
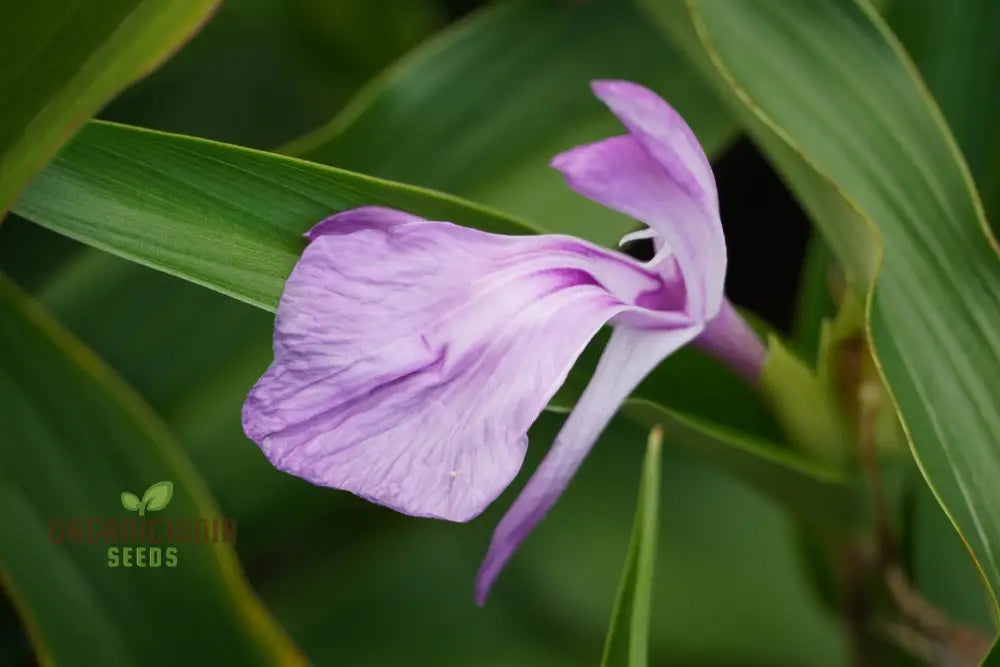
(411, 356)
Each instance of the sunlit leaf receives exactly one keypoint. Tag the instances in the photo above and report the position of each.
(222, 216)
(805, 405)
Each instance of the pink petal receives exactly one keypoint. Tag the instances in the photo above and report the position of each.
(364, 217)
(665, 136)
(657, 174)
(412, 356)
(629, 356)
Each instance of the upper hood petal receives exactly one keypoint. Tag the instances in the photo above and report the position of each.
(658, 174)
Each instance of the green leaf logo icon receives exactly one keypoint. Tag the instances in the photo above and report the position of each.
(155, 498)
(130, 501)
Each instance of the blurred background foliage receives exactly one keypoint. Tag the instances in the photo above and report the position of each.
(451, 95)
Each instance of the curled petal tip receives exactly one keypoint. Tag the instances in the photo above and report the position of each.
(361, 218)
(563, 160)
(602, 87)
(484, 582)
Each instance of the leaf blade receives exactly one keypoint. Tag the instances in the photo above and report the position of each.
(627, 639)
(224, 217)
(814, 492)
(888, 163)
(953, 45)
(101, 49)
(72, 414)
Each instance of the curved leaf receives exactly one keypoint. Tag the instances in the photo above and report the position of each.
(829, 94)
(955, 46)
(63, 59)
(225, 217)
(74, 436)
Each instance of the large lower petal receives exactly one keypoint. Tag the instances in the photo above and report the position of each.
(412, 356)
(629, 356)
(657, 174)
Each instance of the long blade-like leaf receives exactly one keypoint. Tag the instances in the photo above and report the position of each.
(225, 217)
(813, 491)
(628, 635)
(955, 46)
(60, 60)
(829, 94)
(74, 438)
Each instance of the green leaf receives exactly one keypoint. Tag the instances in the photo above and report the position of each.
(627, 642)
(466, 113)
(63, 59)
(813, 491)
(706, 605)
(222, 216)
(158, 495)
(814, 302)
(74, 436)
(829, 94)
(941, 568)
(359, 36)
(993, 658)
(954, 44)
(130, 501)
(805, 405)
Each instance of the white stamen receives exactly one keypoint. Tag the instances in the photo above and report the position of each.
(640, 235)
